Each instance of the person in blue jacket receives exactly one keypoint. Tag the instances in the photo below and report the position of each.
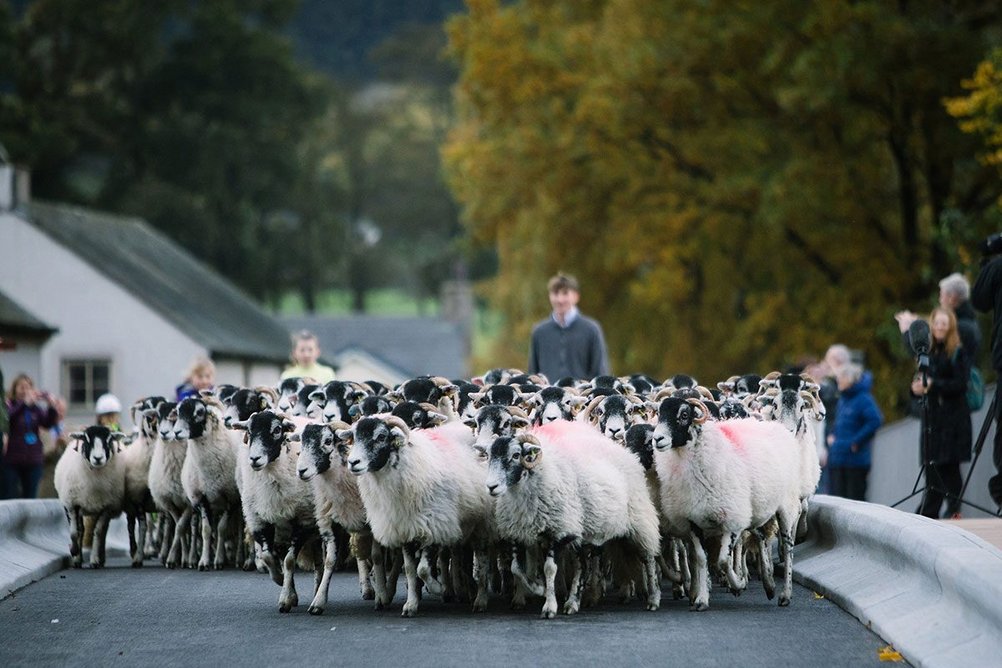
(857, 419)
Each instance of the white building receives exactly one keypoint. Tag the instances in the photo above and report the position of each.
(92, 302)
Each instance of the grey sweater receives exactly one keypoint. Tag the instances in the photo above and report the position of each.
(577, 351)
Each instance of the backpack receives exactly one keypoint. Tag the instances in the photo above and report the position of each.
(975, 390)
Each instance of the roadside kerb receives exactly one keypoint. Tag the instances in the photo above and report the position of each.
(931, 589)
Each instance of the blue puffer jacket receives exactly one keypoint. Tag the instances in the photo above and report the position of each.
(857, 419)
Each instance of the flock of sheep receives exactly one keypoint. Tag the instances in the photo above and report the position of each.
(511, 486)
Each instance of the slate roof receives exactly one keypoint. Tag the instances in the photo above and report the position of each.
(168, 279)
(415, 346)
(15, 319)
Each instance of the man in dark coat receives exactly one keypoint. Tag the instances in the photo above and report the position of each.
(955, 294)
(986, 296)
(567, 344)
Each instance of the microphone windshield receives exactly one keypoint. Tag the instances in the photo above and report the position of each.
(919, 337)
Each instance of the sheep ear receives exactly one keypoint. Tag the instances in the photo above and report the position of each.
(471, 423)
(246, 438)
(288, 425)
(398, 438)
(77, 435)
(531, 455)
(295, 437)
(435, 418)
(481, 451)
(238, 424)
(345, 435)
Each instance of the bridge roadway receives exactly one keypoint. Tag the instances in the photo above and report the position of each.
(156, 617)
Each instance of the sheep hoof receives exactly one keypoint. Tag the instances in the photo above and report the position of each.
(379, 605)
(480, 605)
(409, 611)
(368, 594)
(784, 600)
(285, 607)
(96, 564)
(204, 566)
(770, 593)
(77, 564)
(315, 610)
(570, 608)
(651, 607)
(518, 605)
(218, 565)
(699, 606)
(137, 564)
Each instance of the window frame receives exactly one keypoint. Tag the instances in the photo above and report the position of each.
(91, 393)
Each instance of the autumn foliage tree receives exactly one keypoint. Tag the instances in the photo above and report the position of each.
(737, 184)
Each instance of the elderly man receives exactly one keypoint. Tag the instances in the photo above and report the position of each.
(954, 294)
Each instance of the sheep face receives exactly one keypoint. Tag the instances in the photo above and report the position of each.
(554, 403)
(243, 403)
(266, 434)
(288, 393)
(192, 418)
(225, 392)
(149, 419)
(614, 415)
(509, 462)
(639, 440)
(418, 416)
(318, 444)
(98, 445)
(678, 423)
(747, 384)
(374, 443)
(166, 415)
(371, 405)
(335, 399)
(493, 422)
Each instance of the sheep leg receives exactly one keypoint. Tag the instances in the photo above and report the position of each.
(222, 528)
(362, 544)
(729, 544)
(140, 555)
(330, 558)
(154, 533)
(424, 571)
(534, 588)
(288, 599)
(445, 559)
(787, 527)
(573, 603)
(802, 521)
(700, 593)
(377, 556)
(396, 565)
(765, 563)
(76, 552)
(550, 575)
(97, 546)
(205, 561)
(593, 584)
(410, 570)
(130, 529)
(265, 539)
(194, 532)
(167, 539)
(481, 572)
(653, 582)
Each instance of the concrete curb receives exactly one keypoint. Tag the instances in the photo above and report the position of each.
(35, 541)
(933, 590)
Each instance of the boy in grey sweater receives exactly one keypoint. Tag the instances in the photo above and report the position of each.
(567, 344)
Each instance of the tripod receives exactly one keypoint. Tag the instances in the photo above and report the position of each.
(928, 465)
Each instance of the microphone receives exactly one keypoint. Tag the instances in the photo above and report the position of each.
(919, 337)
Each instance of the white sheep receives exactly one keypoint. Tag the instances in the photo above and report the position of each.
(137, 456)
(208, 474)
(166, 488)
(277, 504)
(422, 489)
(722, 479)
(337, 501)
(564, 484)
(90, 481)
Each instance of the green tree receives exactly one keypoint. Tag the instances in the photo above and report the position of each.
(737, 184)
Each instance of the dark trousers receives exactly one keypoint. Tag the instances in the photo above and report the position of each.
(21, 482)
(849, 483)
(942, 481)
(995, 482)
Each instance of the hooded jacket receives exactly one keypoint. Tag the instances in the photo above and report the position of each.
(857, 419)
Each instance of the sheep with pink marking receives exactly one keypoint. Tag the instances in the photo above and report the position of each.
(720, 479)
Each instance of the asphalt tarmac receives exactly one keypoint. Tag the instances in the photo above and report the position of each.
(155, 617)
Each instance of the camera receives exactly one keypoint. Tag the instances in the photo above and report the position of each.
(992, 245)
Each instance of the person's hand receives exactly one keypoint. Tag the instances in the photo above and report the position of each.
(905, 320)
(60, 405)
(854, 447)
(4, 448)
(918, 389)
(831, 439)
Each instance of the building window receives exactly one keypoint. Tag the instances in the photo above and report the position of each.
(84, 381)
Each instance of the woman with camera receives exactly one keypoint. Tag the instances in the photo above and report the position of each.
(29, 411)
(948, 418)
